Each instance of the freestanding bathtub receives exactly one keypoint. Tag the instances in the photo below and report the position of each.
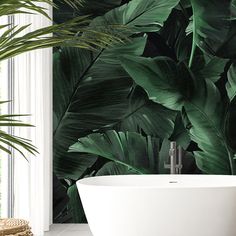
(160, 205)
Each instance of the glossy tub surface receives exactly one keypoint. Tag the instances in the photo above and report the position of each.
(160, 205)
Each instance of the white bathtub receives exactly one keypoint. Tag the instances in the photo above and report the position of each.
(160, 205)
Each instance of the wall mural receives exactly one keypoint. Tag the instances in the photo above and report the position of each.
(172, 76)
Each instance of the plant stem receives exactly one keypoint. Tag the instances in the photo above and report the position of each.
(192, 54)
(193, 46)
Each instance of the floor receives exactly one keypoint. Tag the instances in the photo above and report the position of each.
(69, 230)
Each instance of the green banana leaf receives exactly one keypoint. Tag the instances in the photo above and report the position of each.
(127, 148)
(164, 81)
(160, 78)
(231, 84)
(114, 168)
(180, 133)
(75, 205)
(94, 78)
(139, 15)
(214, 27)
(145, 116)
(71, 165)
(231, 126)
(130, 153)
(213, 69)
(77, 114)
(89, 94)
(65, 11)
(60, 201)
(175, 37)
(207, 129)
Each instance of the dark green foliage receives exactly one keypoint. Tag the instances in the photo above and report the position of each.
(231, 126)
(86, 91)
(60, 201)
(75, 206)
(231, 84)
(176, 87)
(115, 168)
(130, 149)
(65, 11)
(214, 27)
(147, 117)
(139, 15)
(173, 79)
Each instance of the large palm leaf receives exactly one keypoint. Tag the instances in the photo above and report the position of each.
(201, 105)
(75, 207)
(130, 152)
(60, 201)
(180, 45)
(130, 149)
(231, 112)
(214, 27)
(87, 99)
(115, 168)
(145, 116)
(231, 127)
(139, 15)
(164, 81)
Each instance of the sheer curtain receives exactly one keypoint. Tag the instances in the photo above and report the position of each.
(33, 95)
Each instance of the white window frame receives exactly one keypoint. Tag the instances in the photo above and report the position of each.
(32, 90)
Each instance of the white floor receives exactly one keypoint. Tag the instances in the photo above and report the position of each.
(69, 230)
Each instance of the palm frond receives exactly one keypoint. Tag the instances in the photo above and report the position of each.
(8, 140)
(10, 7)
(74, 33)
(16, 143)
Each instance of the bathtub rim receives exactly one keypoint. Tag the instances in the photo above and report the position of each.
(88, 182)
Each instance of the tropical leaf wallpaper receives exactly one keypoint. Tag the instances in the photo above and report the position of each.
(170, 77)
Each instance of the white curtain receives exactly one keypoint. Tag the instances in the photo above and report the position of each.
(33, 95)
